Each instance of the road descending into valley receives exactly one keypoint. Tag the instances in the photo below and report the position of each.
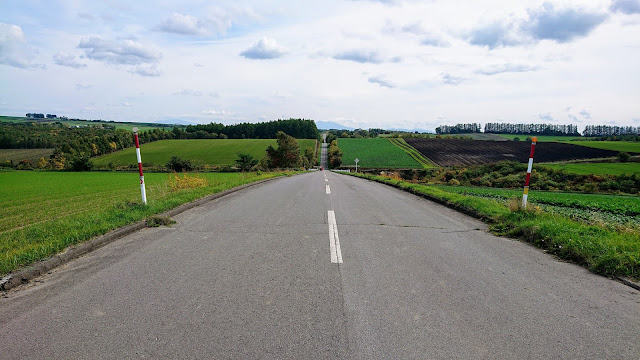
(320, 266)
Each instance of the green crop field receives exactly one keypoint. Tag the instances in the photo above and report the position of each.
(41, 213)
(212, 152)
(411, 151)
(619, 210)
(598, 168)
(17, 155)
(623, 146)
(375, 153)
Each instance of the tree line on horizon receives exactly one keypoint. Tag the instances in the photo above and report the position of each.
(539, 129)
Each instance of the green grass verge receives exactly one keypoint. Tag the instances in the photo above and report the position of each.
(212, 152)
(602, 250)
(375, 153)
(411, 151)
(44, 212)
(622, 146)
(597, 168)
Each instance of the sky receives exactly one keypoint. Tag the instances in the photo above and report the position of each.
(361, 63)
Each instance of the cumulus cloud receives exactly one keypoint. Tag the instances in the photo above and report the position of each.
(14, 50)
(382, 81)
(125, 52)
(572, 117)
(263, 49)
(65, 59)
(543, 23)
(183, 25)
(625, 6)
(506, 68)
(416, 29)
(83, 86)
(360, 56)
(564, 25)
(585, 114)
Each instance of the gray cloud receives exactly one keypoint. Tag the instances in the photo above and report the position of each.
(125, 52)
(83, 86)
(64, 59)
(544, 23)
(263, 49)
(382, 81)
(451, 80)
(493, 36)
(183, 25)
(426, 37)
(546, 117)
(625, 6)
(572, 117)
(146, 70)
(564, 25)
(360, 56)
(585, 114)
(505, 68)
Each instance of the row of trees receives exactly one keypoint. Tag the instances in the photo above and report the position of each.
(298, 128)
(357, 133)
(531, 129)
(605, 130)
(459, 129)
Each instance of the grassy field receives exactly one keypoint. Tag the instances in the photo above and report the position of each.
(41, 213)
(604, 249)
(16, 155)
(542, 138)
(597, 168)
(375, 153)
(623, 146)
(212, 152)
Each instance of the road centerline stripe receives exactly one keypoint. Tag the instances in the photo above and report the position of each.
(328, 190)
(334, 240)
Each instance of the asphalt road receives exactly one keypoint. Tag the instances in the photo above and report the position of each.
(265, 273)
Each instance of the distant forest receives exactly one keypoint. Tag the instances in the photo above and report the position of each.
(98, 140)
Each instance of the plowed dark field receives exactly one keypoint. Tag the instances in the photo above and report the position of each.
(474, 152)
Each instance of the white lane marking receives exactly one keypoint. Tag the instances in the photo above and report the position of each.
(328, 190)
(334, 240)
(326, 180)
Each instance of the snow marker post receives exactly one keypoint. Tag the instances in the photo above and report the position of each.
(526, 183)
(142, 188)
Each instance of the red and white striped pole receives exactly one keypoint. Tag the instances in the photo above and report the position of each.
(142, 188)
(526, 183)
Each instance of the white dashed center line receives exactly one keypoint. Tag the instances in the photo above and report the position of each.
(328, 190)
(334, 240)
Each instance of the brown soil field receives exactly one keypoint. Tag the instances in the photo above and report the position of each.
(474, 152)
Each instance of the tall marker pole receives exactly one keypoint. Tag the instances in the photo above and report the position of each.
(142, 188)
(526, 183)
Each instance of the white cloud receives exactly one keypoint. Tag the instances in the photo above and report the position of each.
(183, 25)
(125, 52)
(69, 60)
(188, 92)
(360, 56)
(506, 68)
(263, 49)
(14, 50)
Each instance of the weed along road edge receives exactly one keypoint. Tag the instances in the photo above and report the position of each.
(287, 269)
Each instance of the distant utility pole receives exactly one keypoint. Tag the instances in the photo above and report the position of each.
(142, 188)
(356, 160)
(526, 183)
